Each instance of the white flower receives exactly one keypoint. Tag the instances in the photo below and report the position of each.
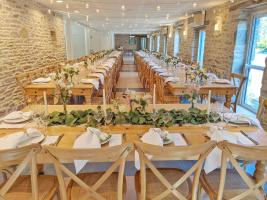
(122, 108)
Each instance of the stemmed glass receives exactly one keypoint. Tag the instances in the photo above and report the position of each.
(108, 118)
(40, 118)
(154, 116)
(166, 119)
(98, 116)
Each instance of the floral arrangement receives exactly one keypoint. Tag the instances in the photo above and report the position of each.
(71, 72)
(196, 74)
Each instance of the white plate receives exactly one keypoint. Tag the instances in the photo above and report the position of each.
(222, 81)
(34, 140)
(17, 121)
(106, 140)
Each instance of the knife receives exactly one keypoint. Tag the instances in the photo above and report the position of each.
(251, 139)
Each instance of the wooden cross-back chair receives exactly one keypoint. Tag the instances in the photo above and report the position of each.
(163, 95)
(99, 186)
(262, 113)
(235, 183)
(170, 183)
(238, 80)
(32, 187)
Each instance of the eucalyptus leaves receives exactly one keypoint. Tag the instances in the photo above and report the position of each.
(137, 116)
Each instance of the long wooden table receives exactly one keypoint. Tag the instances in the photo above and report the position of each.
(33, 91)
(195, 134)
(177, 89)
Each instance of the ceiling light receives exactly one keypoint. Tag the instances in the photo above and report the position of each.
(167, 16)
(136, 25)
(67, 6)
(87, 5)
(146, 15)
(68, 15)
(76, 11)
(97, 10)
(87, 18)
(123, 7)
(123, 14)
(49, 11)
(194, 5)
(158, 8)
(59, 1)
(51, 1)
(122, 24)
(232, 1)
(107, 19)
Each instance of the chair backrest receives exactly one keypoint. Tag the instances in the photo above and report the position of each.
(252, 153)
(238, 80)
(159, 88)
(262, 112)
(21, 158)
(116, 154)
(172, 153)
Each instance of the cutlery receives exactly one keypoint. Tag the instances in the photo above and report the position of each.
(251, 139)
(186, 140)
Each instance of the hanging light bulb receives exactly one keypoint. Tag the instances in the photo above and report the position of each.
(158, 7)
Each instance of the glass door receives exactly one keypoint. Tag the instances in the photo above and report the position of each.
(256, 63)
(201, 48)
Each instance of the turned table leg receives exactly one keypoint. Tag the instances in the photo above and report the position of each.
(259, 171)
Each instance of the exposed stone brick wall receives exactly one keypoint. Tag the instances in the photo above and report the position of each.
(26, 44)
(123, 41)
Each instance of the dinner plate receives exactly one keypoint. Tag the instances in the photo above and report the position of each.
(17, 121)
(30, 141)
(106, 140)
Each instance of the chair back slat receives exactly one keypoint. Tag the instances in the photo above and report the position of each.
(262, 113)
(116, 154)
(172, 153)
(233, 151)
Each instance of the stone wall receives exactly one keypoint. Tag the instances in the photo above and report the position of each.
(123, 41)
(30, 38)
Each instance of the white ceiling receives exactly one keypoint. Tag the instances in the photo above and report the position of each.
(139, 16)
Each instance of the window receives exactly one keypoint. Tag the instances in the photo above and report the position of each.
(201, 48)
(158, 43)
(143, 43)
(256, 62)
(165, 45)
(132, 40)
(176, 43)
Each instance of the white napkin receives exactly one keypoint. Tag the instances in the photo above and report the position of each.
(94, 82)
(85, 141)
(100, 76)
(18, 115)
(42, 80)
(165, 74)
(8, 126)
(212, 76)
(151, 137)
(116, 139)
(222, 81)
(101, 135)
(178, 139)
(241, 118)
(171, 79)
(49, 140)
(160, 70)
(156, 67)
(213, 161)
(101, 71)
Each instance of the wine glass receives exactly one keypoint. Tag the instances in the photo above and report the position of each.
(166, 119)
(108, 118)
(98, 116)
(154, 116)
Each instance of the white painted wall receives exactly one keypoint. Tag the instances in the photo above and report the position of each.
(82, 40)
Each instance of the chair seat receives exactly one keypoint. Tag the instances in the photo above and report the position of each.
(47, 186)
(108, 189)
(234, 184)
(154, 187)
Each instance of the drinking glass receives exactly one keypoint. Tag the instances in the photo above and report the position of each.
(108, 118)
(166, 118)
(154, 116)
(98, 116)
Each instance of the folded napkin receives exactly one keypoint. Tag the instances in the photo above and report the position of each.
(16, 139)
(222, 81)
(94, 82)
(85, 141)
(212, 76)
(100, 76)
(213, 161)
(42, 80)
(171, 79)
(160, 70)
(241, 119)
(165, 74)
(101, 135)
(101, 71)
(50, 140)
(156, 67)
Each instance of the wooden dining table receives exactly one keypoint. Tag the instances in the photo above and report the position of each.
(194, 134)
(178, 89)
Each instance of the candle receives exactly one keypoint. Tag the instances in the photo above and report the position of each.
(104, 101)
(154, 97)
(209, 97)
(45, 103)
